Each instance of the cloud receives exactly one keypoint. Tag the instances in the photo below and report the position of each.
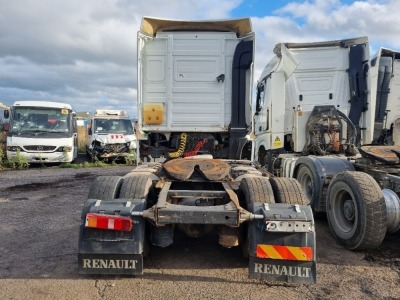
(323, 20)
(331, 18)
(82, 52)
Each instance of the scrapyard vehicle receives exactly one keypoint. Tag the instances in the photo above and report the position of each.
(111, 136)
(194, 105)
(326, 117)
(42, 132)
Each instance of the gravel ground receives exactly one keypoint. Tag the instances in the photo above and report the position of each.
(39, 220)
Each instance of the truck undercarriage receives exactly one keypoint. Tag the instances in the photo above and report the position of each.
(267, 217)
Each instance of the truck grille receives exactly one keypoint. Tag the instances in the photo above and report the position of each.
(115, 148)
(40, 148)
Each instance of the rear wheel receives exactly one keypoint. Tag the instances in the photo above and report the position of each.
(102, 188)
(356, 211)
(138, 187)
(254, 190)
(105, 187)
(308, 184)
(288, 190)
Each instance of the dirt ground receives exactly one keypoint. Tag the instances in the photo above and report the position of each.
(39, 219)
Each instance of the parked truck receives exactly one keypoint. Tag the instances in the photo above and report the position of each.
(194, 106)
(111, 136)
(42, 131)
(328, 116)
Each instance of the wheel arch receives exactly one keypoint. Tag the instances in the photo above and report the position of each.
(323, 170)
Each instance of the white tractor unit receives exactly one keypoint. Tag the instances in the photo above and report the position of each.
(329, 116)
(195, 112)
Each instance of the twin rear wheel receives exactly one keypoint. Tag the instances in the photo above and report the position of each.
(274, 190)
(263, 190)
(115, 187)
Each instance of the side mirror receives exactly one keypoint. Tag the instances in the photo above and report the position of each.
(90, 131)
(6, 113)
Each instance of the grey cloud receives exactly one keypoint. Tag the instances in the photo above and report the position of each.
(81, 52)
(84, 52)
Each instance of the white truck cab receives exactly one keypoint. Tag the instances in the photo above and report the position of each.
(110, 135)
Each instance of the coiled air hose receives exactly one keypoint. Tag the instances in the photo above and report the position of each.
(181, 148)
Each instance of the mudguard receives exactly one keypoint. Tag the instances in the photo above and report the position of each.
(282, 245)
(103, 251)
(323, 169)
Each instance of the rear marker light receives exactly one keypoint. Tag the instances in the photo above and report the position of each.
(109, 222)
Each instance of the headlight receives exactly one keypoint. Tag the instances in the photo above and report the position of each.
(128, 144)
(65, 149)
(14, 148)
(102, 144)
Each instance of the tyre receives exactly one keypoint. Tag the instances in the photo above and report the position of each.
(356, 211)
(288, 190)
(138, 187)
(105, 187)
(309, 184)
(102, 188)
(253, 190)
(256, 190)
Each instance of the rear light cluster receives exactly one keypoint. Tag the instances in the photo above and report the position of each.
(109, 222)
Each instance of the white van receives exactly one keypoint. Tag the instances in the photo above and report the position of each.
(110, 136)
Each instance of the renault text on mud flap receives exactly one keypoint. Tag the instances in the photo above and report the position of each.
(290, 271)
(283, 270)
(130, 264)
(109, 263)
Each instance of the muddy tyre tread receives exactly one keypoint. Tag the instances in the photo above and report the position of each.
(253, 190)
(288, 190)
(256, 190)
(136, 187)
(105, 187)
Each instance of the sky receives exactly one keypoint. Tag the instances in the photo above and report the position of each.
(84, 52)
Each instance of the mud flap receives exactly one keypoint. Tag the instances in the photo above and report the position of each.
(284, 270)
(282, 245)
(103, 251)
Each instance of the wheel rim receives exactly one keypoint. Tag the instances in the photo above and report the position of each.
(349, 210)
(307, 184)
(344, 211)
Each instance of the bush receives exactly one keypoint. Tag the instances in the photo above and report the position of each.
(17, 162)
